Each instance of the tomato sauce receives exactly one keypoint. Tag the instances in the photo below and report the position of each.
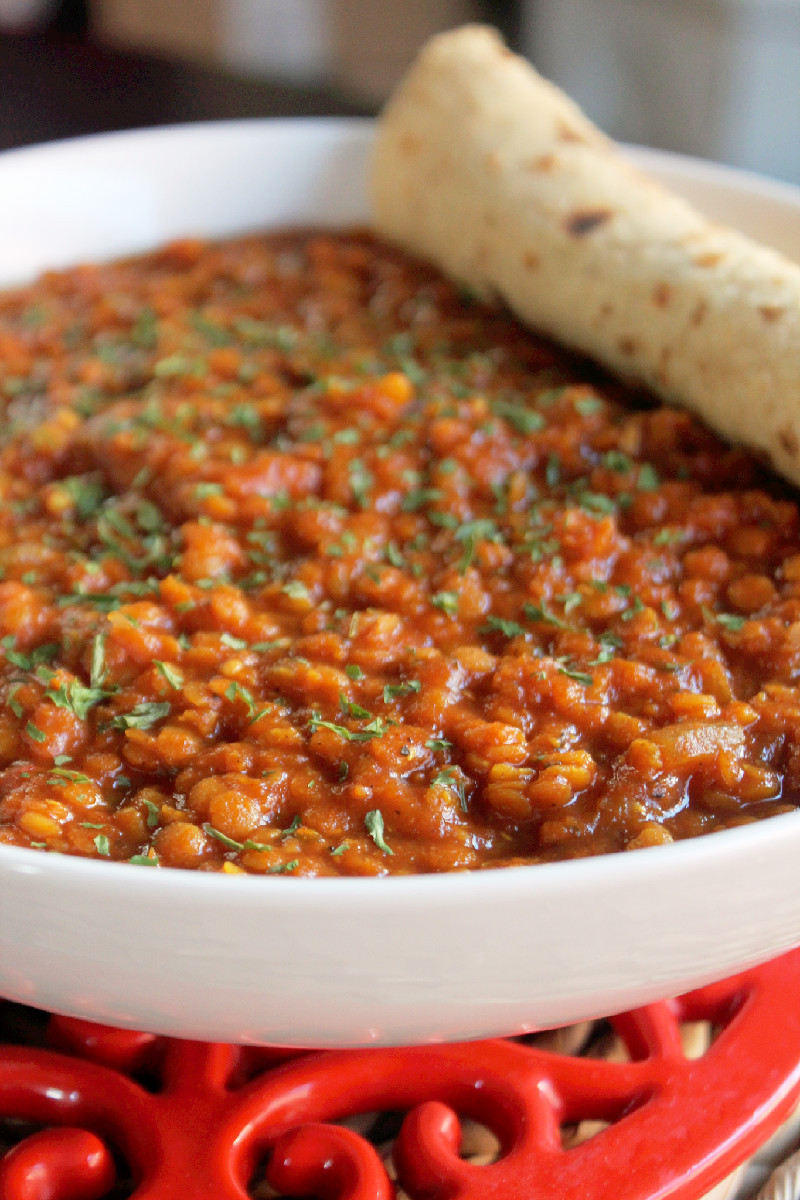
(311, 565)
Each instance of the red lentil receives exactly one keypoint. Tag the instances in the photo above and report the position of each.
(310, 565)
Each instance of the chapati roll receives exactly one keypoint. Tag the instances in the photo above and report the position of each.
(493, 174)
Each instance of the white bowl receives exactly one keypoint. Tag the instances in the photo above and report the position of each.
(333, 962)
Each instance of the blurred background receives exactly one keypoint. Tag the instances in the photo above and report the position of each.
(715, 78)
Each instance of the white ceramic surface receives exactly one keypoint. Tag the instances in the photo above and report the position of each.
(355, 961)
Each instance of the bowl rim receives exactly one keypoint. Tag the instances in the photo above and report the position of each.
(624, 868)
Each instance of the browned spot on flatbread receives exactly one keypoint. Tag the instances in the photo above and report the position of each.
(699, 314)
(568, 133)
(605, 311)
(578, 224)
(710, 259)
(544, 162)
(771, 312)
(493, 162)
(662, 293)
(530, 261)
(627, 345)
(409, 143)
(789, 441)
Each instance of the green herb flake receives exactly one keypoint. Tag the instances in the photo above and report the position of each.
(179, 364)
(98, 669)
(144, 333)
(579, 676)
(102, 845)
(615, 460)
(437, 744)
(447, 602)
(540, 612)
(523, 420)
(509, 629)
(145, 714)
(648, 479)
(669, 537)
(203, 491)
(587, 406)
(349, 735)
(449, 779)
(293, 828)
(552, 471)
(283, 868)
(393, 691)
(353, 671)
(375, 828)
(169, 672)
(34, 732)
(340, 849)
(730, 621)
(153, 813)
(223, 838)
(296, 590)
(233, 643)
(63, 776)
(419, 498)
(145, 860)
(76, 697)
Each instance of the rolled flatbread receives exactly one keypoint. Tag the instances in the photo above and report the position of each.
(493, 174)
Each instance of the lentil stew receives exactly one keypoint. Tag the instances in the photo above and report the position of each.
(311, 565)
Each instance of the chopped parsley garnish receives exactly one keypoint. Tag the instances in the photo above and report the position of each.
(98, 667)
(449, 779)
(169, 672)
(669, 537)
(509, 629)
(615, 460)
(730, 621)
(350, 709)
(293, 828)
(102, 845)
(282, 868)
(233, 643)
(552, 472)
(524, 420)
(228, 842)
(145, 714)
(153, 813)
(420, 497)
(375, 828)
(540, 612)
(447, 602)
(296, 590)
(578, 676)
(648, 478)
(394, 690)
(375, 729)
(28, 662)
(587, 406)
(61, 775)
(361, 480)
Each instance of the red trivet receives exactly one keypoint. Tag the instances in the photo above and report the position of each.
(188, 1121)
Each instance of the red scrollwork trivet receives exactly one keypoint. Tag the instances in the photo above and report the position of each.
(103, 1113)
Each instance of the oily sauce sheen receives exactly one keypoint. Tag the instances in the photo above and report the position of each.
(311, 565)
